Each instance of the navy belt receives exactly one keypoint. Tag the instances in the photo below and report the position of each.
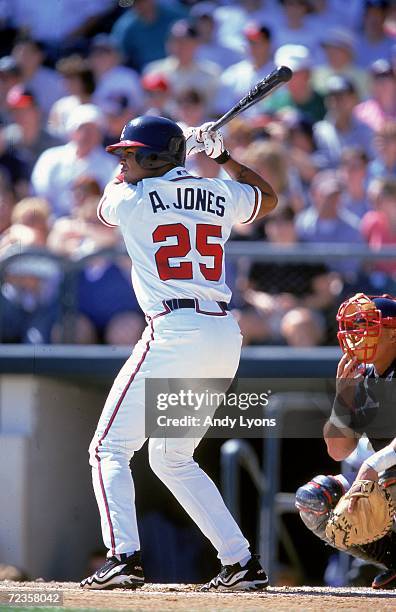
(177, 303)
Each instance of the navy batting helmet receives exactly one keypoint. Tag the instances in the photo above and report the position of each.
(160, 141)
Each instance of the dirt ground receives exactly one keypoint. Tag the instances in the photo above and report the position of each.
(185, 597)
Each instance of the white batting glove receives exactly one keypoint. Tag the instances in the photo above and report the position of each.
(213, 141)
(192, 144)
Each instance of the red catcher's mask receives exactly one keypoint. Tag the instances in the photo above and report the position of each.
(359, 325)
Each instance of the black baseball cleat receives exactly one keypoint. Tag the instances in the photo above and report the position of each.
(119, 571)
(386, 580)
(250, 577)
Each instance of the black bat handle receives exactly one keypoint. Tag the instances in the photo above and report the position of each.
(261, 90)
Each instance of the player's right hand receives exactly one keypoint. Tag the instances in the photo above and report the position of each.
(193, 146)
(212, 140)
(349, 373)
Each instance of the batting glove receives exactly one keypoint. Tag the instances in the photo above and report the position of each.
(213, 142)
(192, 144)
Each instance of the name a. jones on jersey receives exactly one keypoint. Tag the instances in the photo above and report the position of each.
(188, 198)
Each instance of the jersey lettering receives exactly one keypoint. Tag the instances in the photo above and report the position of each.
(189, 198)
(184, 270)
(179, 250)
(156, 201)
(175, 227)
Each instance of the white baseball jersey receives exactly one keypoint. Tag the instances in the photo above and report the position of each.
(175, 227)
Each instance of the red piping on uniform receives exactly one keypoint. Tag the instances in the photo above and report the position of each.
(108, 428)
(223, 313)
(101, 217)
(255, 209)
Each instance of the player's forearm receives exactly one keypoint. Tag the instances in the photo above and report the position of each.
(243, 174)
(383, 459)
(340, 442)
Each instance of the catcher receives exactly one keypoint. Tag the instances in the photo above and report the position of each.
(358, 517)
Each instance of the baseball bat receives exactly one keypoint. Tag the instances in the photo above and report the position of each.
(261, 90)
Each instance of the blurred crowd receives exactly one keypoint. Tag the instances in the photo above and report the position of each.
(73, 72)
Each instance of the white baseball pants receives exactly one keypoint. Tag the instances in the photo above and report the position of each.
(180, 344)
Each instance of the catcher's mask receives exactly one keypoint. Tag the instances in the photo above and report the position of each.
(360, 320)
(160, 141)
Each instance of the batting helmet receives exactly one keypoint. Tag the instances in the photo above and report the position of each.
(160, 141)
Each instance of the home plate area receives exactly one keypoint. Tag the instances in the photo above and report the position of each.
(187, 597)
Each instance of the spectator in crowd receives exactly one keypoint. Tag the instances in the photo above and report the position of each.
(240, 133)
(232, 19)
(294, 29)
(34, 213)
(353, 172)
(158, 98)
(191, 108)
(113, 79)
(299, 92)
(330, 13)
(29, 293)
(84, 188)
(31, 137)
(210, 48)
(81, 233)
(338, 112)
(301, 148)
(43, 82)
(79, 83)
(240, 77)
(10, 75)
(107, 302)
(107, 309)
(381, 106)
(374, 43)
(7, 201)
(326, 221)
(340, 128)
(181, 68)
(291, 278)
(302, 328)
(58, 25)
(142, 31)
(57, 168)
(117, 113)
(12, 165)
(269, 159)
(273, 288)
(384, 162)
(340, 50)
(379, 226)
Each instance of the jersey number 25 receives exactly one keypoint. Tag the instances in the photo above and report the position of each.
(184, 270)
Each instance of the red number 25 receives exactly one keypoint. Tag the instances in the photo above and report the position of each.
(184, 270)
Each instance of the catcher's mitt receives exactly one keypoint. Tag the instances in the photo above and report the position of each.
(370, 520)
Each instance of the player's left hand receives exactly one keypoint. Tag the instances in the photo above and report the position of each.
(212, 140)
(366, 472)
(192, 145)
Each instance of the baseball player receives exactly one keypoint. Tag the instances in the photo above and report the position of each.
(175, 226)
(367, 336)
